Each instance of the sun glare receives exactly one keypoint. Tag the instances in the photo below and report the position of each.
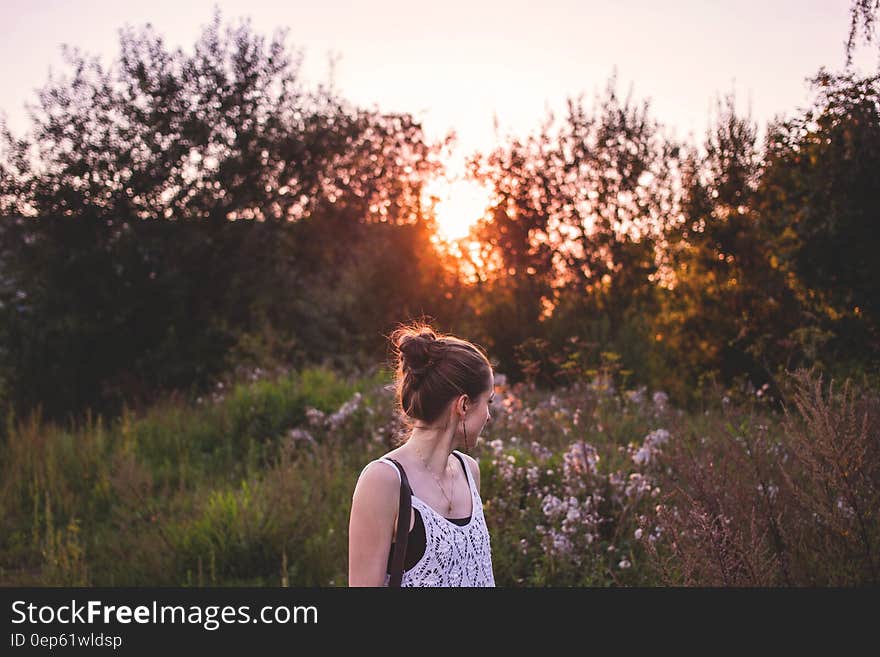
(459, 204)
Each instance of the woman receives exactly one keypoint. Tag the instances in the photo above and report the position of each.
(444, 388)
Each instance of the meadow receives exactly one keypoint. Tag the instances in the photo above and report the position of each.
(591, 484)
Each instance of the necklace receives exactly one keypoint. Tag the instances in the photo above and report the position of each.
(449, 498)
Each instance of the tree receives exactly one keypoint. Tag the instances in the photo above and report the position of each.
(819, 201)
(139, 188)
(863, 13)
(579, 209)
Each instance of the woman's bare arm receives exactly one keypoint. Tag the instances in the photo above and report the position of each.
(372, 525)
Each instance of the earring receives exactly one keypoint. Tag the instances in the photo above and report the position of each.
(464, 428)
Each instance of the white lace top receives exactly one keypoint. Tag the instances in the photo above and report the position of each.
(455, 555)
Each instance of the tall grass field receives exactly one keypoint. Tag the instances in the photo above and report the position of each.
(587, 485)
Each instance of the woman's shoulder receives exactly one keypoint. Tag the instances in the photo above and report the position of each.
(378, 478)
(470, 460)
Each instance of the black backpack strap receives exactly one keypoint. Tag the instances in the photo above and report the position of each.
(403, 517)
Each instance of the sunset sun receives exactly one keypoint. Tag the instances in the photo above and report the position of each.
(459, 204)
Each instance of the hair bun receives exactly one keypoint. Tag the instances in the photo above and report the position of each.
(418, 352)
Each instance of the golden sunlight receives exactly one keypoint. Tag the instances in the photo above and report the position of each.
(459, 203)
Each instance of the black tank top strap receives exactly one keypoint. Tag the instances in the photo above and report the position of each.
(464, 467)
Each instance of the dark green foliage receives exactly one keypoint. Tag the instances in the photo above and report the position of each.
(819, 208)
(133, 280)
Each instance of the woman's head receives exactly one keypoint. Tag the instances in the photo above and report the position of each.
(434, 371)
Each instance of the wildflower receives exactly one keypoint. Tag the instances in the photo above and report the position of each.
(638, 485)
(552, 506)
(624, 563)
(638, 533)
(660, 400)
(642, 457)
(561, 543)
(651, 446)
(315, 417)
(532, 475)
(657, 437)
(636, 397)
(346, 410)
(771, 490)
(845, 509)
(580, 458)
(296, 435)
(540, 452)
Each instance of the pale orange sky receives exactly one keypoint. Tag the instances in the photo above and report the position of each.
(458, 63)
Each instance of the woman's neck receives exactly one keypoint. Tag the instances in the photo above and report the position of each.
(432, 447)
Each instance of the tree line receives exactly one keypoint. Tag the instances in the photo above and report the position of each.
(176, 214)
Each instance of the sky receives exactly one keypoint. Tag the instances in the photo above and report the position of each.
(458, 64)
(464, 64)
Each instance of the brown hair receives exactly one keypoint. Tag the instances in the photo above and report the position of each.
(433, 369)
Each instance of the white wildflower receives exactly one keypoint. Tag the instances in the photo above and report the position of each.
(660, 400)
(345, 411)
(314, 416)
(297, 435)
(638, 485)
(580, 458)
(496, 446)
(532, 475)
(845, 509)
(552, 506)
